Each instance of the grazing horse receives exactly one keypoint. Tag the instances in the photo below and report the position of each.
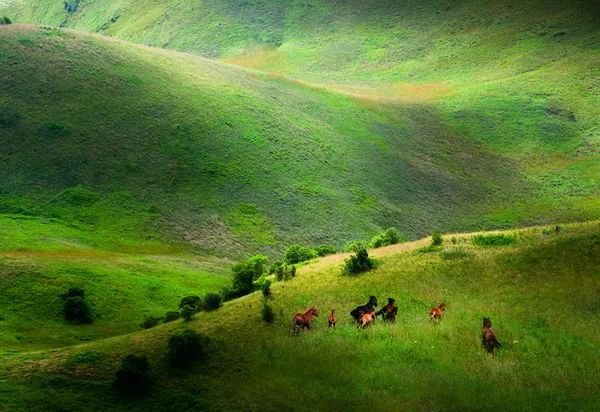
(332, 319)
(366, 319)
(489, 339)
(303, 320)
(437, 312)
(372, 303)
(389, 311)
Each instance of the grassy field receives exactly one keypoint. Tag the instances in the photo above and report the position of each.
(124, 282)
(541, 293)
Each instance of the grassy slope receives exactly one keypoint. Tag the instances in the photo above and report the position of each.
(519, 77)
(542, 295)
(147, 143)
(124, 282)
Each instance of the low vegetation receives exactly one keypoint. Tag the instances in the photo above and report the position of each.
(498, 239)
(358, 263)
(133, 376)
(185, 347)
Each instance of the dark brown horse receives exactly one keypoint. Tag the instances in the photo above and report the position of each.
(389, 311)
(372, 303)
(300, 321)
(489, 340)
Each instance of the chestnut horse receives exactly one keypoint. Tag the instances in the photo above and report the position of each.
(332, 319)
(437, 312)
(303, 320)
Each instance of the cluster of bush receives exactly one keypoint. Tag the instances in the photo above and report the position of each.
(188, 307)
(282, 271)
(437, 240)
(298, 253)
(5, 20)
(75, 307)
(71, 6)
(388, 237)
(183, 349)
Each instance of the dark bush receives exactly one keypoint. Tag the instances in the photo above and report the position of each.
(77, 310)
(171, 316)
(228, 294)
(324, 250)
(267, 313)
(361, 262)
(388, 237)
(187, 312)
(193, 301)
(298, 253)
(266, 288)
(212, 301)
(292, 272)
(494, 240)
(133, 376)
(5, 20)
(73, 292)
(151, 321)
(437, 239)
(184, 346)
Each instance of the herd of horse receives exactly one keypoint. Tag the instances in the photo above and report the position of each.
(364, 316)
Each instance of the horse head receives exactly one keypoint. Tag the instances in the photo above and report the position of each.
(487, 323)
(314, 311)
(373, 301)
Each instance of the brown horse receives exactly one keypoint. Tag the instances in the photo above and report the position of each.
(437, 312)
(332, 319)
(366, 319)
(303, 320)
(489, 340)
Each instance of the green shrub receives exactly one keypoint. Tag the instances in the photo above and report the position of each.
(228, 293)
(73, 292)
(437, 239)
(187, 312)
(267, 313)
(5, 20)
(266, 288)
(361, 262)
(246, 272)
(151, 321)
(298, 253)
(292, 272)
(194, 302)
(133, 376)
(171, 316)
(454, 240)
(354, 246)
(77, 310)
(498, 239)
(388, 237)
(324, 250)
(212, 301)
(183, 347)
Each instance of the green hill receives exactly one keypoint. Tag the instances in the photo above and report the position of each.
(541, 293)
(143, 143)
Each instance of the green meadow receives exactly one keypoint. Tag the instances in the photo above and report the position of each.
(148, 148)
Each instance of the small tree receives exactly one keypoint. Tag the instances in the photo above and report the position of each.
(246, 272)
(77, 310)
(151, 321)
(187, 312)
(183, 347)
(212, 301)
(324, 250)
(388, 237)
(437, 239)
(133, 376)
(298, 253)
(361, 262)
(267, 313)
(6, 20)
(193, 301)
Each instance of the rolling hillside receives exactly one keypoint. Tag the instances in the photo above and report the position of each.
(541, 293)
(144, 143)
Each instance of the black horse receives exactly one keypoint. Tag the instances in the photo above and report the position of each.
(364, 308)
